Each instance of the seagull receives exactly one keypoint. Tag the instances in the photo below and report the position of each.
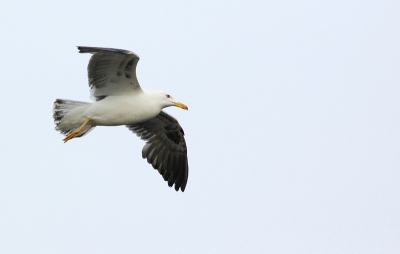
(118, 99)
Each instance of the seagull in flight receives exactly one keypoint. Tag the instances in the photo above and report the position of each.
(118, 99)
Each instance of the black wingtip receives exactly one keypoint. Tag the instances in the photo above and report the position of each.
(177, 187)
(86, 49)
(83, 49)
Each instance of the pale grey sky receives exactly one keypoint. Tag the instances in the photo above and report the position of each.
(293, 128)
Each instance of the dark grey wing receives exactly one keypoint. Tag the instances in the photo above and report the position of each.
(111, 71)
(165, 149)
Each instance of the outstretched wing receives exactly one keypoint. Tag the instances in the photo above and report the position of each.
(165, 148)
(111, 71)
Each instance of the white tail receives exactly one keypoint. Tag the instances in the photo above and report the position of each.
(60, 108)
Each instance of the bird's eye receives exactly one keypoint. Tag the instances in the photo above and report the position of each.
(168, 96)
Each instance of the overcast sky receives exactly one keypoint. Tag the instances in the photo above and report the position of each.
(293, 128)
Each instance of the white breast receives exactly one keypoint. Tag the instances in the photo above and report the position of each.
(121, 110)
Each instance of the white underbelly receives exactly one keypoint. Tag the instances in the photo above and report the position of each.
(111, 112)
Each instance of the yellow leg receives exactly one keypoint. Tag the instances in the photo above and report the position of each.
(78, 132)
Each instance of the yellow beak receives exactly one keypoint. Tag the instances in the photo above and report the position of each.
(181, 105)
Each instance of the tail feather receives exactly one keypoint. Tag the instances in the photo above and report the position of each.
(60, 108)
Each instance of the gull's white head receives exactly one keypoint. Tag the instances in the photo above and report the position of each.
(167, 100)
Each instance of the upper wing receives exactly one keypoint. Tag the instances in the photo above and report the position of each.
(111, 71)
(165, 148)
